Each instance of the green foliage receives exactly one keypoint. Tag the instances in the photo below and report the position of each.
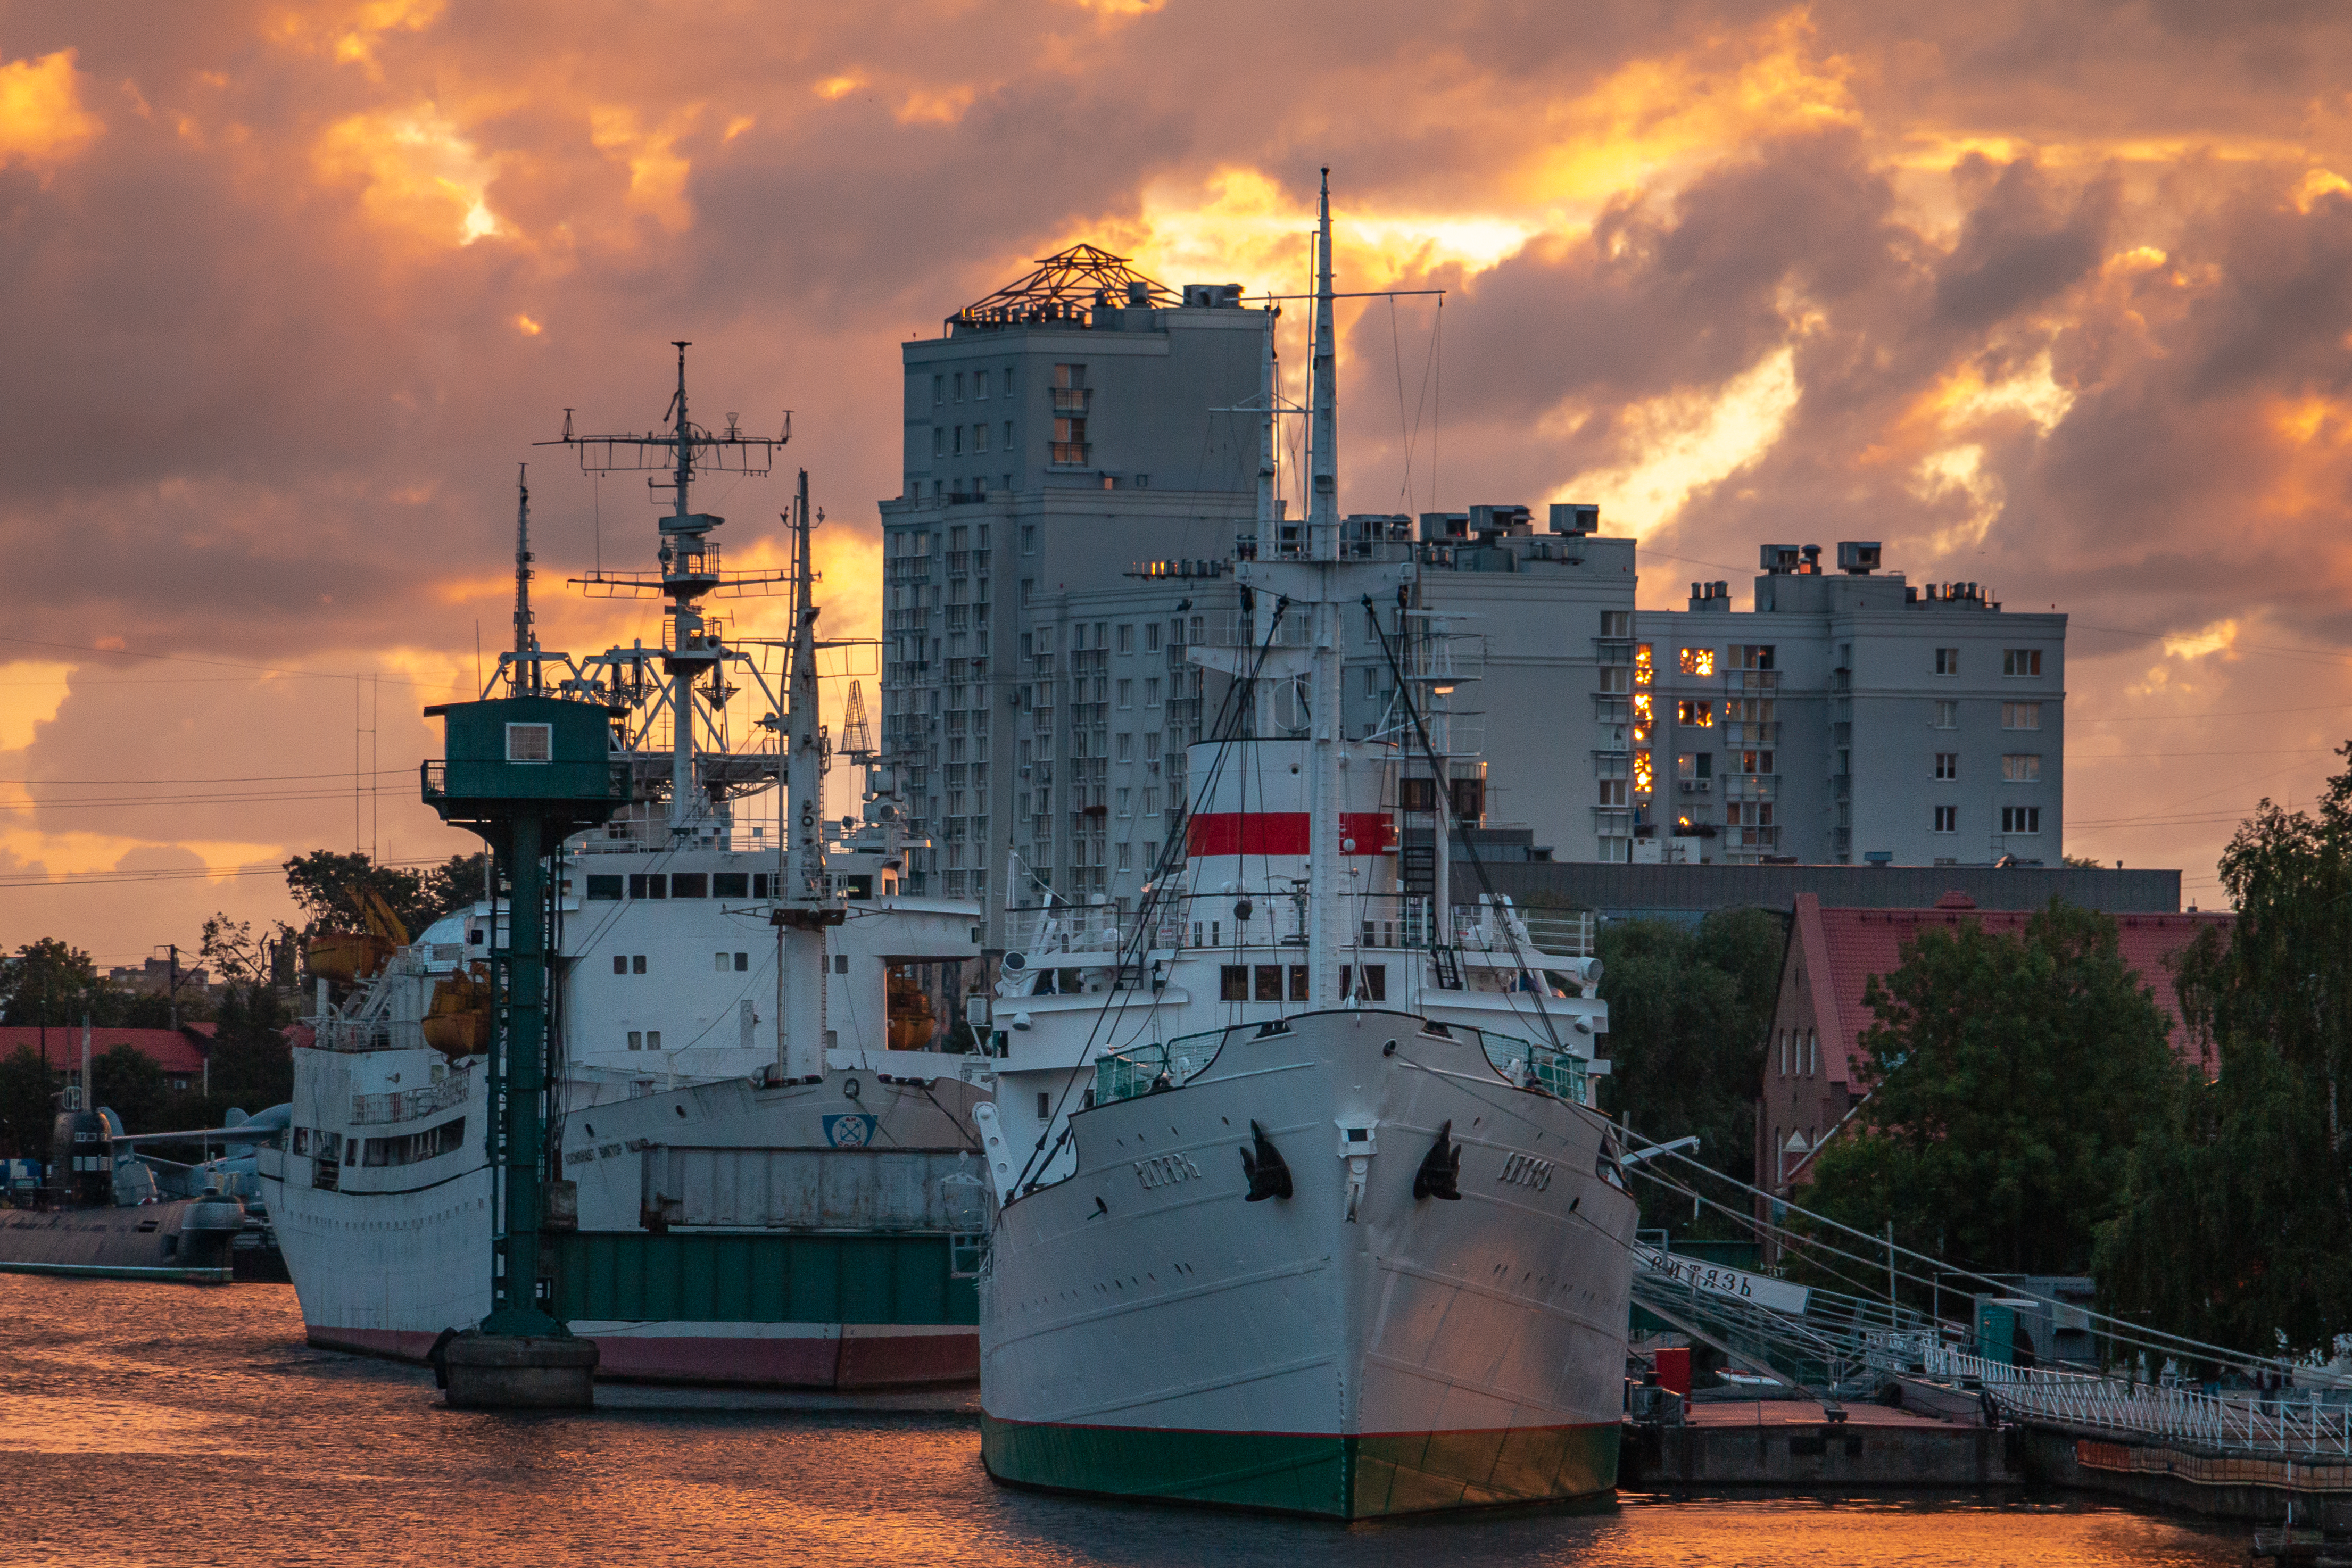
(2237, 1224)
(126, 1079)
(1690, 1011)
(252, 1064)
(52, 982)
(2012, 1074)
(326, 886)
(27, 1103)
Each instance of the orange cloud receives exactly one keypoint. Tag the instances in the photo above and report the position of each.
(42, 120)
(419, 174)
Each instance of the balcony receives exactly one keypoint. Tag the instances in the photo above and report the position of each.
(1753, 681)
(1694, 786)
(1745, 734)
(1751, 787)
(1073, 402)
(1612, 650)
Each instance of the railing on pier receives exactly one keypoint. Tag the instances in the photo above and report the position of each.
(2277, 1423)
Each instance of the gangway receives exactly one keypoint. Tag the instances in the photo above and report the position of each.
(1823, 1342)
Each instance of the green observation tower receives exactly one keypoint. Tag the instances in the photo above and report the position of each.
(526, 771)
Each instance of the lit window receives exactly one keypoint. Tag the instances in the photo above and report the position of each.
(1947, 819)
(1643, 667)
(2021, 715)
(1697, 714)
(1755, 656)
(2021, 660)
(1948, 661)
(1947, 765)
(2020, 768)
(1696, 662)
(1642, 774)
(2020, 818)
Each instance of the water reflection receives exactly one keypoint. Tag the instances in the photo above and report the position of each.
(305, 1457)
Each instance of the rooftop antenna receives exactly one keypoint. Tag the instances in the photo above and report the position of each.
(526, 644)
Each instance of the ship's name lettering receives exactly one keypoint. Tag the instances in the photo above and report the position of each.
(1525, 1170)
(1160, 1170)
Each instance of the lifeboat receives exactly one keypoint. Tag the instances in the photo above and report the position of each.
(458, 1022)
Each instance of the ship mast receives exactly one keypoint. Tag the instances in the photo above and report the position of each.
(805, 906)
(1324, 759)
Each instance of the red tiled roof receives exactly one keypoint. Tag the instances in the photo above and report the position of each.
(1845, 947)
(174, 1050)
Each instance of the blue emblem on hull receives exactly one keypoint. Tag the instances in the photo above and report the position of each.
(854, 1131)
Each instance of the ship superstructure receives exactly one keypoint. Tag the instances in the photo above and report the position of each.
(746, 1184)
(1302, 1200)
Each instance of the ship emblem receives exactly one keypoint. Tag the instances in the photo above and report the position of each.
(849, 1132)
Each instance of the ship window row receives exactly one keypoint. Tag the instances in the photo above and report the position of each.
(409, 1148)
(629, 963)
(740, 962)
(679, 885)
(644, 1039)
(1260, 982)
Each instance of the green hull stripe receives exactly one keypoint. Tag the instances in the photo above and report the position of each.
(121, 1272)
(1334, 1477)
(636, 1276)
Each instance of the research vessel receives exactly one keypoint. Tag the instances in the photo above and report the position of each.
(748, 1183)
(1302, 1201)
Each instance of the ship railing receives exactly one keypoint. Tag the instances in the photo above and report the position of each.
(407, 1104)
(2279, 1422)
(1154, 1064)
(1532, 1066)
(1072, 928)
(367, 1034)
(1497, 927)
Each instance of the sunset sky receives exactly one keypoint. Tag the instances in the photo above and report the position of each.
(2053, 298)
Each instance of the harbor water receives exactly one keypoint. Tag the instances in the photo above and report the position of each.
(155, 1424)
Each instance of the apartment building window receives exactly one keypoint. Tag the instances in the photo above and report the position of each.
(1127, 637)
(1028, 540)
(979, 438)
(2022, 767)
(1948, 715)
(1947, 819)
(1697, 714)
(1612, 792)
(1643, 667)
(1126, 742)
(959, 386)
(2021, 660)
(1695, 765)
(1696, 662)
(1151, 636)
(1948, 661)
(1151, 746)
(1614, 678)
(1125, 800)
(1008, 446)
(958, 441)
(1755, 656)
(1008, 380)
(939, 390)
(938, 441)
(1616, 623)
(1151, 802)
(1947, 765)
(2021, 715)
(2020, 818)
(979, 379)
(1152, 684)
(1126, 690)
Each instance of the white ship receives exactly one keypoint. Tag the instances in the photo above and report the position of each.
(1303, 1202)
(750, 1184)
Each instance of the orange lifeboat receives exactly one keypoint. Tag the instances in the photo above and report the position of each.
(459, 1023)
(348, 957)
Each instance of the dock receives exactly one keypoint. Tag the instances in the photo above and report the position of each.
(1802, 1445)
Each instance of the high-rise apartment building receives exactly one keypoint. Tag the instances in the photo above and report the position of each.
(1083, 458)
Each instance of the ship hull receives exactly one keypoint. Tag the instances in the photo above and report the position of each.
(142, 1241)
(1147, 1332)
(756, 1270)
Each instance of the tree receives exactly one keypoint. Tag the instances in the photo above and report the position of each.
(252, 1064)
(48, 981)
(2009, 1076)
(1690, 1012)
(126, 1080)
(28, 1106)
(2237, 1223)
(328, 887)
